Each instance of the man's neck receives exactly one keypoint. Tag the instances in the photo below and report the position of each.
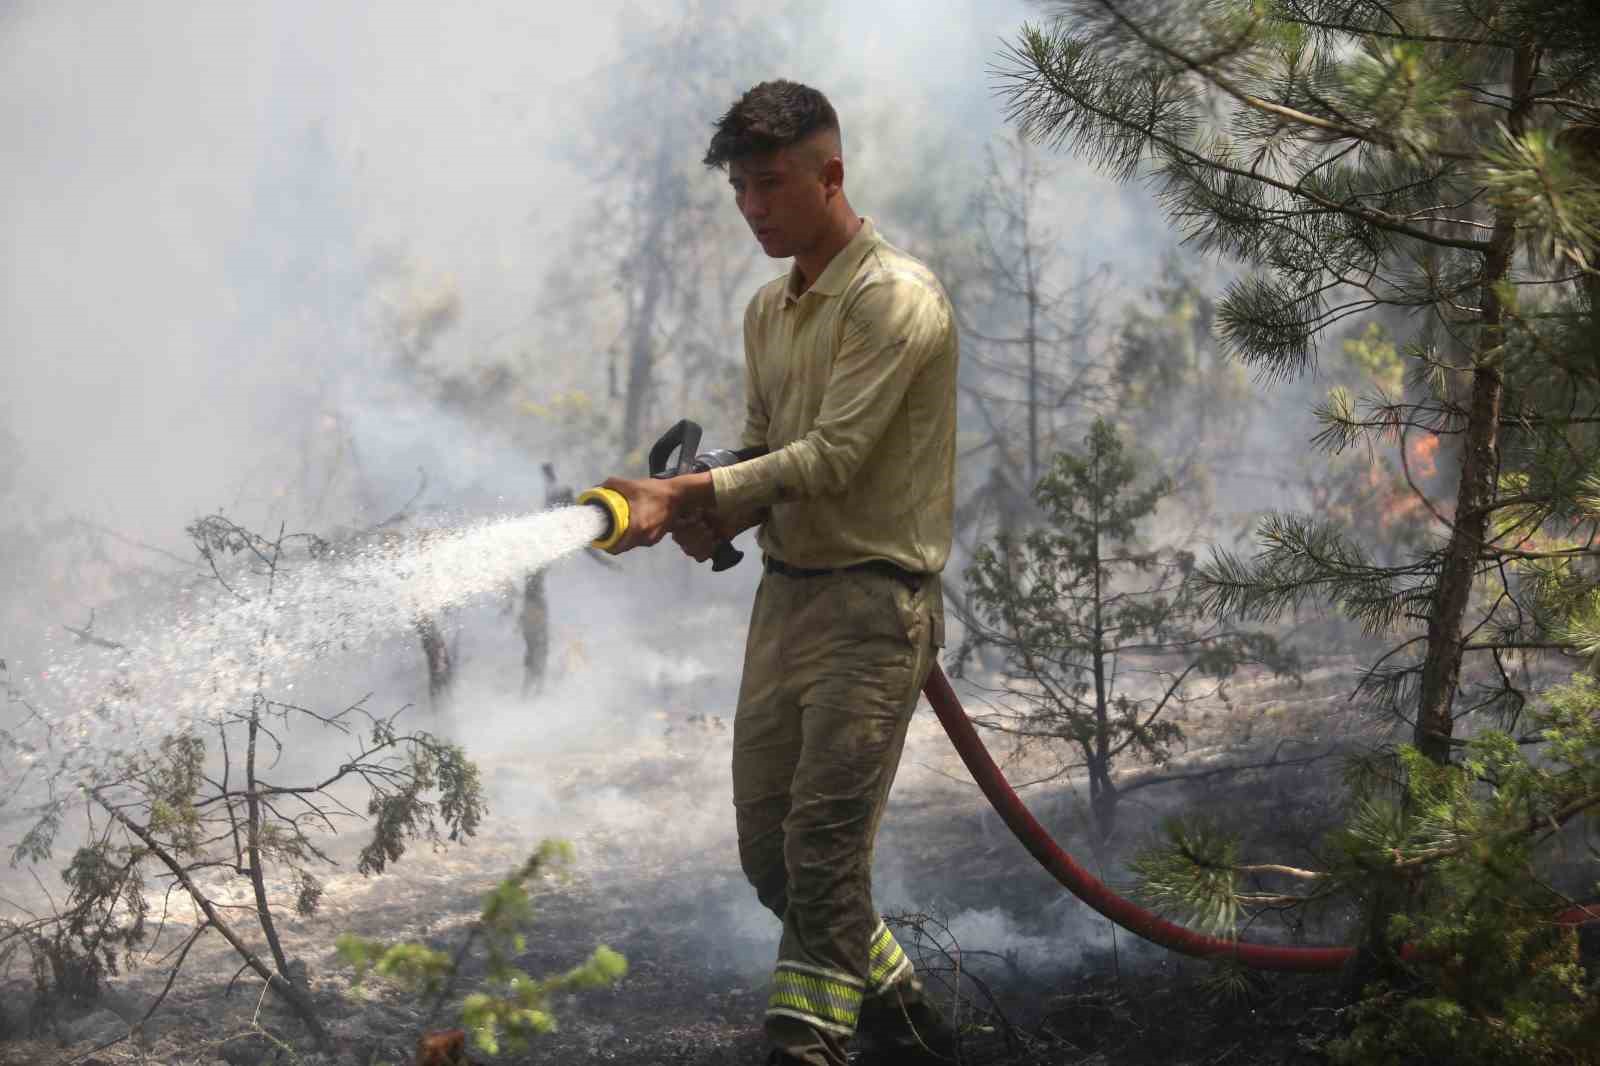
(812, 262)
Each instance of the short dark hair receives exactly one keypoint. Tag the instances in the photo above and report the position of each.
(772, 115)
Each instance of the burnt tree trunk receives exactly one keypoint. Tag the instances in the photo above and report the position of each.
(535, 623)
(441, 666)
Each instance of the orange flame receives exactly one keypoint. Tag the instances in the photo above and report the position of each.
(1421, 454)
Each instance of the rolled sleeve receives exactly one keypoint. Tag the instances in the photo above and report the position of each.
(892, 324)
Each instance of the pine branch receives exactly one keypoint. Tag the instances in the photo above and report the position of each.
(1303, 559)
(1368, 135)
(1065, 73)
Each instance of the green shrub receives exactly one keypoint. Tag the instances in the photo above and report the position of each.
(511, 1007)
(1490, 977)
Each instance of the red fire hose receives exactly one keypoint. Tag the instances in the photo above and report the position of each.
(1093, 891)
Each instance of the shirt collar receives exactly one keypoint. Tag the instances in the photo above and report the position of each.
(840, 269)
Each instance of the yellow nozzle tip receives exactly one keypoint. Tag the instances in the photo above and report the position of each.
(615, 505)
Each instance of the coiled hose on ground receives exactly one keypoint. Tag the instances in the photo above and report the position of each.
(1083, 884)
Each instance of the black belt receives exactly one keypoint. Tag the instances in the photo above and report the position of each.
(906, 577)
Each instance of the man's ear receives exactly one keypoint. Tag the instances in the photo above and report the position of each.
(833, 175)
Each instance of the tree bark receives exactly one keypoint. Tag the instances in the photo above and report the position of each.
(649, 258)
(258, 877)
(1480, 460)
(1103, 794)
(1441, 669)
(641, 362)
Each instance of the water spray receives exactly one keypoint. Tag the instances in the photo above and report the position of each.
(268, 630)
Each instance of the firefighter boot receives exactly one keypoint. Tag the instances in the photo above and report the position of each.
(902, 1027)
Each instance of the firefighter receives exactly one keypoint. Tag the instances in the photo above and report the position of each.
(850, 362)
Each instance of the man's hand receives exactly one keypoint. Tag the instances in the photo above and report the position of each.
(655, 505)
(650, 511)
(697, 536)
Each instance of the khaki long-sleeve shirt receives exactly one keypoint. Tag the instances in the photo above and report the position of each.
(851, 386)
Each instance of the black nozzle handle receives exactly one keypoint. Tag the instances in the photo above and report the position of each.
(683, 438)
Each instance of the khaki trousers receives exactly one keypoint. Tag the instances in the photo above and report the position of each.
(833, 665)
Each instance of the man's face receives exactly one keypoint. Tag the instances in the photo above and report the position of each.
(783, 195)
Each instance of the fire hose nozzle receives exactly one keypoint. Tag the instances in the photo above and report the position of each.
(682, 440)
(615, 507)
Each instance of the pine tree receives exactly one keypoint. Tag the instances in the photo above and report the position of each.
(1101, 643)
(1433, 165)
(1433, 159)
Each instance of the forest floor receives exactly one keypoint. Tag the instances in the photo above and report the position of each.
(656, 877)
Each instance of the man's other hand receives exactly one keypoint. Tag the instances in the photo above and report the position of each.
(697, 537)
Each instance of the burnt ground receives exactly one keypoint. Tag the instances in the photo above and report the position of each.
(1043, 979)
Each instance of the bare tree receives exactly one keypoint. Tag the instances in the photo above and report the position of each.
(676, 255)
(1026, 322)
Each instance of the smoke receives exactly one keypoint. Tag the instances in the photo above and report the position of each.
(302, 262)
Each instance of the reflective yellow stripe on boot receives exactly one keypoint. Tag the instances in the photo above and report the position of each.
(886, 963)
(826, 999)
